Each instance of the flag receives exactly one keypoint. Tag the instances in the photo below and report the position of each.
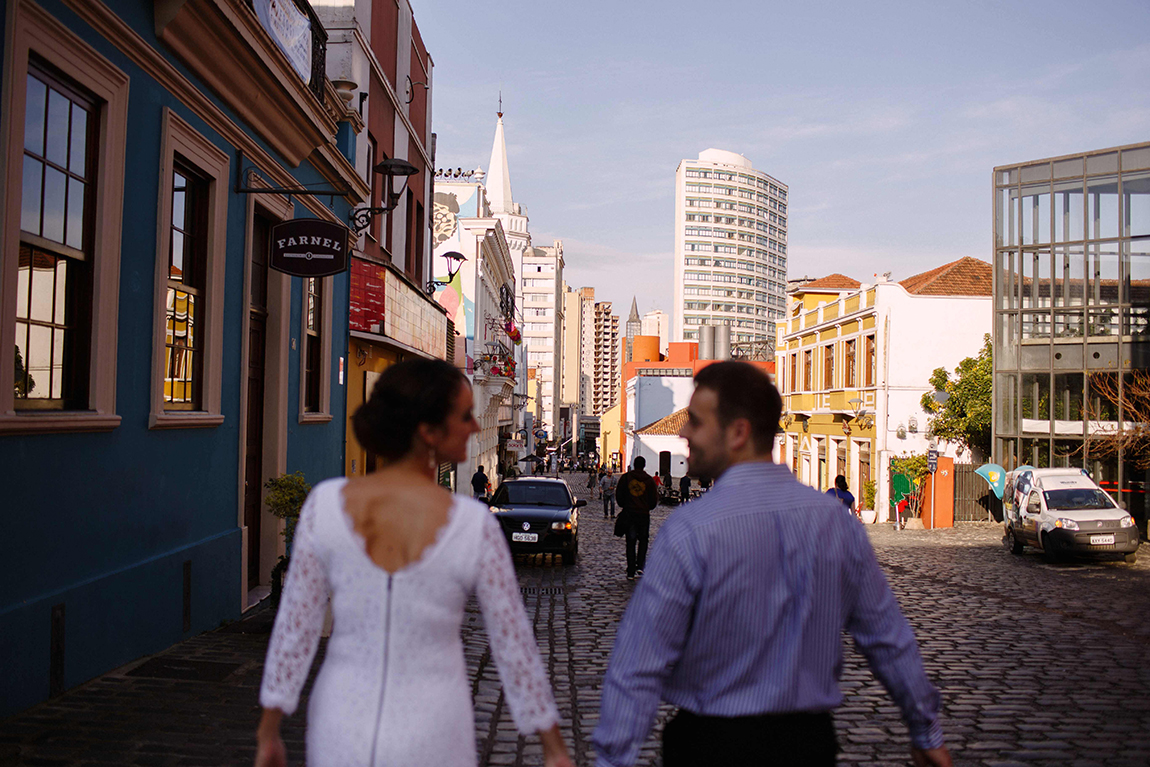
(995, 475)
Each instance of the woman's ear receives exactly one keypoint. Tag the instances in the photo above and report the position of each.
(429, 435)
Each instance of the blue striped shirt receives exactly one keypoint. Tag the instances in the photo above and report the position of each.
(741, 612)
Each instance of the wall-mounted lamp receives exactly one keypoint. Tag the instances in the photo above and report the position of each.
(900, 431)
(409, 90)
(390, 169)
(912, 425)
(455, 260)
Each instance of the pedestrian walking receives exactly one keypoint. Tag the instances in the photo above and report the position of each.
(842, 493)
(685, 488)
(607, 493)
(592, 479)
(636, 495)
(399, 556)
(739, 620)
(479, 483)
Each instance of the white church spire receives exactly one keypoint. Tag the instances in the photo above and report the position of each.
(498, 179)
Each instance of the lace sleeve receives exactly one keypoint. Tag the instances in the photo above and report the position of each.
(512, 640)
(299, 621)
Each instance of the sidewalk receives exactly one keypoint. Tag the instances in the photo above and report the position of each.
(194, 704)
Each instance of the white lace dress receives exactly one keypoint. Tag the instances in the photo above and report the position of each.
(393, 688)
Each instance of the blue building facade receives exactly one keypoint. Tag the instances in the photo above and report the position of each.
(162, 372)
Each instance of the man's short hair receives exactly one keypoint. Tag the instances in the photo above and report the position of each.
(744, 391)
(640, 462)
(481, 467)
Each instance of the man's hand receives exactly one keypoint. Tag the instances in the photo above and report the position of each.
(930, 757)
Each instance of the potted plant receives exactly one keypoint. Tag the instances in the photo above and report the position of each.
(285, 497)
(867, 511)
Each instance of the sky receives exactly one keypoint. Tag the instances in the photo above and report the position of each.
(885, 119)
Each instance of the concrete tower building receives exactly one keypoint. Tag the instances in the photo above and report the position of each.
(657, 323)
(605, 376)
(730, 249)
(587, 352)
(542, 306)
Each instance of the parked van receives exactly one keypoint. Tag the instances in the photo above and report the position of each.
(1063, 511)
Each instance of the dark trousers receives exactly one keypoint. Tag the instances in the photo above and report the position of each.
(638, 533)
(775, 740)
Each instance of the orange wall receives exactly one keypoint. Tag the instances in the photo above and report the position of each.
(680, 354)
(645, 349)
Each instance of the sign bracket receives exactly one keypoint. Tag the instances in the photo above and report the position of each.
(240, 187)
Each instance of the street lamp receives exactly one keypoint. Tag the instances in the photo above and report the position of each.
(395, 168)
(455, 260)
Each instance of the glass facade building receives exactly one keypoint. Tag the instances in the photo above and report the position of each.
(1072, 312)
(730, 248)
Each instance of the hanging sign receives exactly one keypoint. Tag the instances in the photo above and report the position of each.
(309, 247)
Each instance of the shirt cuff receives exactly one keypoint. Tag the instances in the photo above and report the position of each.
(927, 737)
(602, 762)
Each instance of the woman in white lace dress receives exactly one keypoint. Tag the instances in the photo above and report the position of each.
(399, 557)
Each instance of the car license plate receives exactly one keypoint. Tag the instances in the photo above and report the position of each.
(534, 538)
(1102, 540)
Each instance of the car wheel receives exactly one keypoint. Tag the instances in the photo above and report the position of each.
(1013, 543)
(569, 557)
(1131, 558)
(1049, 553)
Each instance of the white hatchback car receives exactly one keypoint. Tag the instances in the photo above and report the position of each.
(1063, 511)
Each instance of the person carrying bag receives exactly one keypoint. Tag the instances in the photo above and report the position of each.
(637, 495)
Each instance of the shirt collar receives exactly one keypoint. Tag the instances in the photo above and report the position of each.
(748, 471)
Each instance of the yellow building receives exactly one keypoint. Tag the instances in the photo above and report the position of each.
(827, 376)
(611, 437)
(853, 361)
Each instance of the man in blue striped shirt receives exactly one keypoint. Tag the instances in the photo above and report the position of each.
(739, 618)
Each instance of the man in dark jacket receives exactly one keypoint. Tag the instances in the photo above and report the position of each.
(479, 483)
(637, 495)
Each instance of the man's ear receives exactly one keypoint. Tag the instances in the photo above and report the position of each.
(738, 434)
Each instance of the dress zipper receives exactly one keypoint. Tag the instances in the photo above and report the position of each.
(383, 676)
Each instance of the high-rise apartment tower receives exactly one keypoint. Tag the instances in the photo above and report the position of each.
(730, 248)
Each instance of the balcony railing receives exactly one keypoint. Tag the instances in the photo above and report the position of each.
(315, 71)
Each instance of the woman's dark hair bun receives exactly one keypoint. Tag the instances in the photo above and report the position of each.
(407, 394)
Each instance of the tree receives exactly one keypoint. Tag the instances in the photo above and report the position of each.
(966, 416)
(1108, 435)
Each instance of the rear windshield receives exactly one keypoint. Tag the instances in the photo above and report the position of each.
(531, 494)
(1077, 498)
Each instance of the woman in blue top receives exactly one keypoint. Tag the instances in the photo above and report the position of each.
(840, 491)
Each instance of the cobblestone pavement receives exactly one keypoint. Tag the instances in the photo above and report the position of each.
(1038, 664)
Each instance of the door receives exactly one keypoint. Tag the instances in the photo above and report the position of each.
(1032, 517)
(254, 428)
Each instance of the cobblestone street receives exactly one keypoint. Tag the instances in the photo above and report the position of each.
(1037, 664)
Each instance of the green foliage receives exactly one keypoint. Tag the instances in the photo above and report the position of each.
(913, 466)
(965, 417)
(22, 388)
(285, 498)
(869, 488)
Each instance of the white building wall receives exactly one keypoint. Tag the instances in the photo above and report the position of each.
(650, 445)
(657, 323)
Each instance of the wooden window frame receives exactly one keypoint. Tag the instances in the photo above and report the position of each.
(850, 363)
(323, 415)
(828, 367)
(35, 32)
(808, 369)
(179, 138)
(870, 355)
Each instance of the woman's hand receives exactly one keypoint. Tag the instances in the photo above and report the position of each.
(270, 750)
(554, 749)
